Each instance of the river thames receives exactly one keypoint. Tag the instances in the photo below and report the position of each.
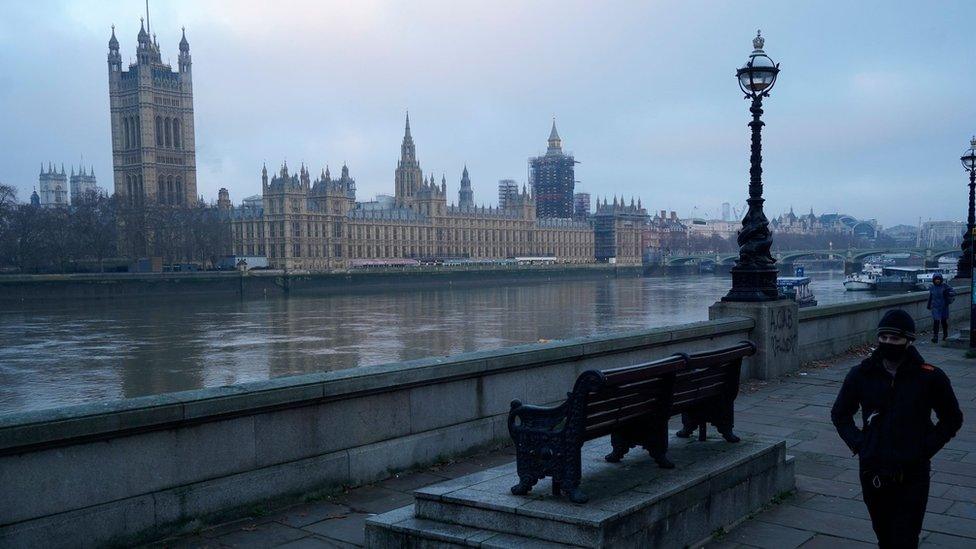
(83, 351)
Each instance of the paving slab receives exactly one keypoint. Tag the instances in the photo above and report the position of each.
(269, 534)
(349, 528)
(769, 536)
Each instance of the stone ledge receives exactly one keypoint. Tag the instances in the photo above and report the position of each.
(822, 311)
(60, 426)
(633, 504)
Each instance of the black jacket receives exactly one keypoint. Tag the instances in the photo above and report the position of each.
(900, 433)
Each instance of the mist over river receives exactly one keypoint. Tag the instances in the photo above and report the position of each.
(56, 354)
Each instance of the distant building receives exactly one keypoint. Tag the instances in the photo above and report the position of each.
(581, 205)
(726, 211)
(82, 183)
(35, 200)
(942, 234)
(663, 232)
(553, 179)
(223, 200)
(905, 235)
(508, 191)
(617, 230)
(53, 187)
(810, 224)
(712, 227)
(465, 194)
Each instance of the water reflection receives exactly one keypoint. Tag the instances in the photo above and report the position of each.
(59, 354)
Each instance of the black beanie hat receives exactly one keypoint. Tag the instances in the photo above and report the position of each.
(897, 322)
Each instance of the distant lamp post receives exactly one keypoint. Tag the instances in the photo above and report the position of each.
(965, 265)
(754, 274)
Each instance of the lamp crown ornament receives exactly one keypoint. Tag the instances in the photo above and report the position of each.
(972, 142)
(758, 42)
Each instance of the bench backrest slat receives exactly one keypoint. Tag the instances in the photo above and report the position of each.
(642, 392)
(640, 372)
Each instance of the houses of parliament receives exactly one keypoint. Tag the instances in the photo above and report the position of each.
(301, 224)
(317, 225)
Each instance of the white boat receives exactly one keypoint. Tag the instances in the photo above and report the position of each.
(866, 280)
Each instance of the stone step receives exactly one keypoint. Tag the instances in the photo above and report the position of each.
(401, 528)
(632, 503)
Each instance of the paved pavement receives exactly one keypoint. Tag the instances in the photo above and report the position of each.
(826, 510)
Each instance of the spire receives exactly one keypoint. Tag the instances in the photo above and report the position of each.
(147, 16)
(184, 45)
(408, 153)
(113, 42)
(553, 135)
(555, 143)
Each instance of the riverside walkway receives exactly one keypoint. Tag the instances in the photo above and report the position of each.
(825, 511)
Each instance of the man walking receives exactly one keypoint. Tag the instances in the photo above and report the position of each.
(940, 296)
(896, 392)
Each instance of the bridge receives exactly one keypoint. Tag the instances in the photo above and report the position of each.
(850, 256)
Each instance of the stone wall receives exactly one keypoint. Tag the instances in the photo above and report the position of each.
(830, 330)
(121, 472)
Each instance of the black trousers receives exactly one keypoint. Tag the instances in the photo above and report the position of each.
(896, 505)
(935, 328)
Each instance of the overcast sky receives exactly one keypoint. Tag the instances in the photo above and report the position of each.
(872, 110)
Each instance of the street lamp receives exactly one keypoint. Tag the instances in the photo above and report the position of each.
(754, 274)
(965, 265)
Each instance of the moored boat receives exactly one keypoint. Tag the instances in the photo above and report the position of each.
(797, 288)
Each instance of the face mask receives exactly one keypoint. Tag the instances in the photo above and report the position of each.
(892, 352)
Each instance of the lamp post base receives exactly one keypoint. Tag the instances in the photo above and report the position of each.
(751, 285)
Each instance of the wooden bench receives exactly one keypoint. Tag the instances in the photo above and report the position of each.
(632, 404)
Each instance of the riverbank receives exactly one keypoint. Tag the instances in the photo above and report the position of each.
(124, 471)
(54, 287)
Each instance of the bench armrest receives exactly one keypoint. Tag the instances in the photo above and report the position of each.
(526, 417)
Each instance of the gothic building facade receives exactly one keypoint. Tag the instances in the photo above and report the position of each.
(318, 225)
(151, 106)
(618, 230)
(82, 183)
(53, 187)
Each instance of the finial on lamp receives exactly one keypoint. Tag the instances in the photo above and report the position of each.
(758, 41)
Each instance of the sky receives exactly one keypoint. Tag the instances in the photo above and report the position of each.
(869, 116)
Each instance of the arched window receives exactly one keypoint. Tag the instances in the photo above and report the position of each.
(159, 131)
(171, 189)
(125, 132)
(179, 191)
(140, 189)
(128, 186)
(177, 137)
(161, 189)
(169, 132)
(137, 131)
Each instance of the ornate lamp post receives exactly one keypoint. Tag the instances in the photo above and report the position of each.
(754, 274)
(965, 265)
